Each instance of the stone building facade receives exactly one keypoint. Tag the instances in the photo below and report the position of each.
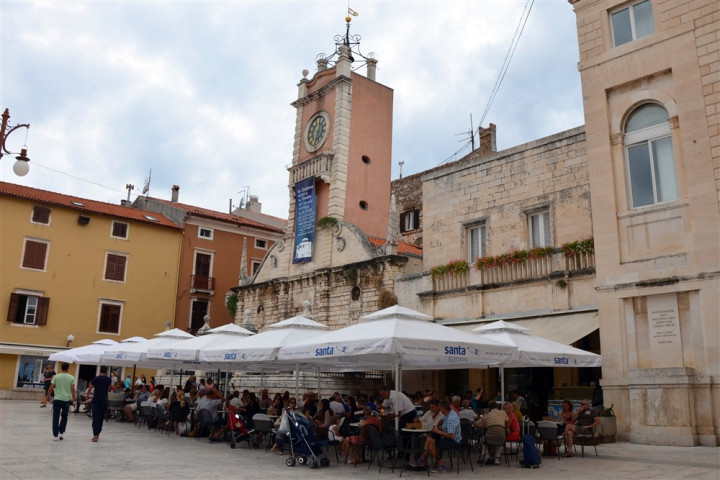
(650, 74)
(489, 204)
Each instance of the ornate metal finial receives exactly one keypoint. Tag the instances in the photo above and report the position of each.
(352, 42)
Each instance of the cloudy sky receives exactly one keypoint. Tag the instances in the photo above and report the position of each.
(200, 92)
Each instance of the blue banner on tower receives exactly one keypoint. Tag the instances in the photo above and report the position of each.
(304, 220)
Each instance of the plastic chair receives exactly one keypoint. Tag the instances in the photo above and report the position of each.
(466, 444)
(377, 449)
(205, 422)
(548, 432)
(163, 418)
(584, 437)
(495, 437)
(263, 427)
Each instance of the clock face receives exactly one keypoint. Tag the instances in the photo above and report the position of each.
(316, 131)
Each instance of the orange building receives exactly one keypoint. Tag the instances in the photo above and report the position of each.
(75, 271)
(219, 251)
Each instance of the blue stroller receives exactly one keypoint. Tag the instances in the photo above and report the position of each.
(305, 448)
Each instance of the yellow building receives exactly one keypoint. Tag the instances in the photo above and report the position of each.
(74, 271)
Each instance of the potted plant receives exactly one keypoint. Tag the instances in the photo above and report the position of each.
(608, 424)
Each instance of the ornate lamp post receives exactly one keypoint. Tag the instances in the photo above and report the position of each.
(21, 166)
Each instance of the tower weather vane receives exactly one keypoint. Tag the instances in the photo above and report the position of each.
(352, 42)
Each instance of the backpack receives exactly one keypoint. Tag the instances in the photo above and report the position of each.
(530, 454)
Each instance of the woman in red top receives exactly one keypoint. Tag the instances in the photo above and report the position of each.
(513, 427)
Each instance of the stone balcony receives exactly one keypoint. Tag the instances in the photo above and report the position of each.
(555, 266)
(318, 166)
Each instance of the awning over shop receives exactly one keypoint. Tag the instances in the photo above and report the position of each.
(566, 328)
(31, 350)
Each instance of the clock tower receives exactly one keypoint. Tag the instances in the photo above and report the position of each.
(343, 142)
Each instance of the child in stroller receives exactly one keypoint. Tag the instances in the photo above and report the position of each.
(305, 448)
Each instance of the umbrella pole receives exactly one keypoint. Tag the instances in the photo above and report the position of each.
(398, 387)
(297, 381)
(318, 377)
(502, 384)
(132, 384)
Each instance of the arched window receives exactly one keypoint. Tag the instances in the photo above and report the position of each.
(649, 154)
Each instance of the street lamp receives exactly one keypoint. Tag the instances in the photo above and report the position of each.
(21, 166)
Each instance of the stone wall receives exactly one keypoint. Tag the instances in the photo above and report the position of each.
(501, 190)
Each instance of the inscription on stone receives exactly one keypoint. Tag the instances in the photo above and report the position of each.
(664, 330)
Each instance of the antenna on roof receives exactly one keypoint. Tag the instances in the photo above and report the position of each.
(244, 195)
(129, 187)
(146, 187)
(470, 133)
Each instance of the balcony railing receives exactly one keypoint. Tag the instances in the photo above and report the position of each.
(201, 282)
(314, 167)
(532, 269)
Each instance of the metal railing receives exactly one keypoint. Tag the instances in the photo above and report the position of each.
(200, 282)
(531, 269)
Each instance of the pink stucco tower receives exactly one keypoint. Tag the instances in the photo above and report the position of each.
(343, 139)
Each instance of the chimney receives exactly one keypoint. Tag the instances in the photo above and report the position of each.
(487, 140)
(253, 204)
(175, 193)
(371, 67)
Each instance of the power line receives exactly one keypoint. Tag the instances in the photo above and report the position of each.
(508, 56)
(503, 70)
(78, 178)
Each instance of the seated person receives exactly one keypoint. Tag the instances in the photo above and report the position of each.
(433, 416)
(353, 444)
(86, 398)
(281, 436)
(583, 420)
(235, 400)
(466, 412)
(211, 399)
(130, 409)
(566, 415)
(493, 417)
(442, 437)
(513, 428)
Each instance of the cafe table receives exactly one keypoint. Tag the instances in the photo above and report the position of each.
(415, 447)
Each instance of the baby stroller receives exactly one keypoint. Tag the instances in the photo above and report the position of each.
(237, 427)
(305, 449)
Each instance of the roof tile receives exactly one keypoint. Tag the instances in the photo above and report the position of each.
(84, 204)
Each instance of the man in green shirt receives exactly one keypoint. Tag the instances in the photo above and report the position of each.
(64, 387)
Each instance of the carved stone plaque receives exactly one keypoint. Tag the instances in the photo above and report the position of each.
(664, 331)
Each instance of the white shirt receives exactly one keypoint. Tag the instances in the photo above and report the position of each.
(429, 421)
(403, 404)
(468, 413)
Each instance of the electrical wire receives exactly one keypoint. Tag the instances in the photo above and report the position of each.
(503, 70)
(508, 56)
(77, 178)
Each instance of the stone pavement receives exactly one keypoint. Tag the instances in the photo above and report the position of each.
(27, 451)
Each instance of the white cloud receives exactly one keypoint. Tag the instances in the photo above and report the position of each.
(200, 92)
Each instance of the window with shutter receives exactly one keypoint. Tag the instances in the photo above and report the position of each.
(28, 309)
(119, 230)
(110, 314)
(35, 254)
(115, 267)
(41, 215)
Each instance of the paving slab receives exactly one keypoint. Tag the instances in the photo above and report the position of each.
(28, 452)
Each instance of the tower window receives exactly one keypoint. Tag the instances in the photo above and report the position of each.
(366, 159)
(363, 205)
(649, 156)
(633, 22)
